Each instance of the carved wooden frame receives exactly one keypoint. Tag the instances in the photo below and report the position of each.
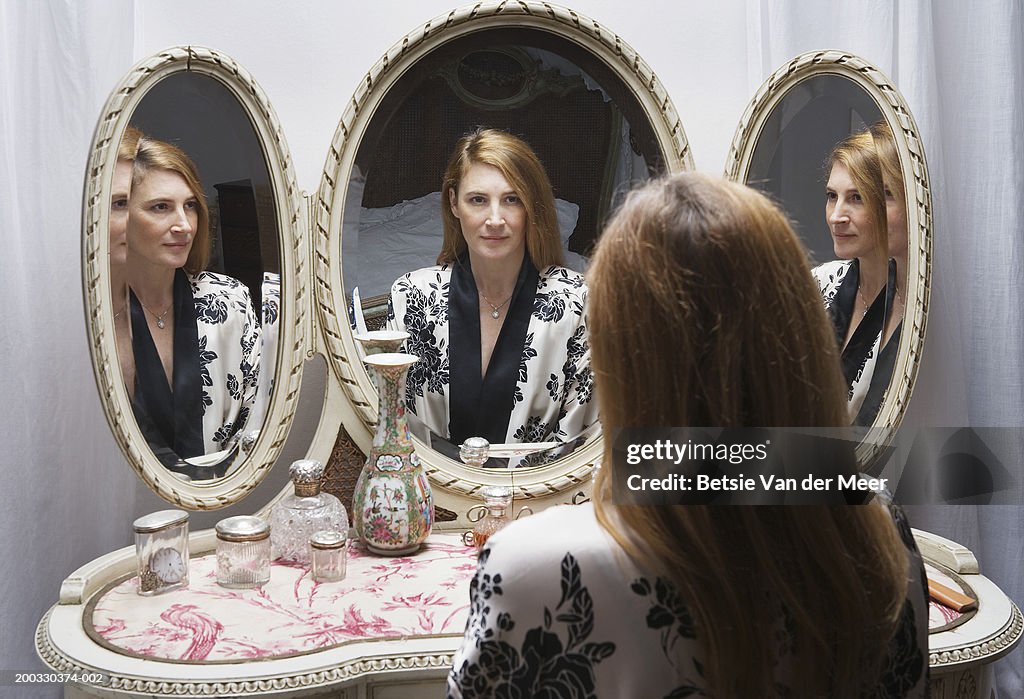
(114, 397)
(919, 208)
(574, 470)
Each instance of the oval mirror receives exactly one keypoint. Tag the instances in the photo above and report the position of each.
(833, 142)
(593, 112)
(192, 276)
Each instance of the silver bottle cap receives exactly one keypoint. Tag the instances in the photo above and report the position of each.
(242, 528)
(158, 521)
(474, 451)
(328, 539)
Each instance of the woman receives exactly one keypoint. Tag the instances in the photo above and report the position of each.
(120, 190)
(702, 314)
(863, 290)
(194, 334)
(499, 325)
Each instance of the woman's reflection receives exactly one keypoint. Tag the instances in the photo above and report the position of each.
(866, 213)
(120, 191)
(193, 334)
(499, 325)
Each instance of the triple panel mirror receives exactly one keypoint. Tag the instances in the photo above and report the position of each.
(275, 284)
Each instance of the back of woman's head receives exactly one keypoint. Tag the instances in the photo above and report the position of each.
(152, 154)
(703, 312)
(523, 170)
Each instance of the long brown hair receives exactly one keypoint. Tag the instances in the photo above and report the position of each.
(857, 152)
(521, 167)
(152, 154)
(702, 312)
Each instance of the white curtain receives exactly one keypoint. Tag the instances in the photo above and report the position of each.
(68, 494)
(960, 66)
(66, 497)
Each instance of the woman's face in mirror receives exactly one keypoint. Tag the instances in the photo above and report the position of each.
(896, 222)
(120, 190)
(847, 216)
(491, 214)
(163, 216)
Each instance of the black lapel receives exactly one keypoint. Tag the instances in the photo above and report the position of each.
(169, 419)
(188, 383)
(884, 363)
(481, 407)
(856, 352)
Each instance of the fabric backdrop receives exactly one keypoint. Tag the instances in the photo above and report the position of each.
(68, 494)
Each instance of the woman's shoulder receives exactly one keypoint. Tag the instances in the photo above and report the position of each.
(542, 540)
(207, 283)
(562, 280)
(831, 272)
(422, 278)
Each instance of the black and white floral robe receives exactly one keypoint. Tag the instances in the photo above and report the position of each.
(539, 385)
(558, 610)
(216, 368)
(866, 366)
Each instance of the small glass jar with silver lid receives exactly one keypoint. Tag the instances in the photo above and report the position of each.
(161, 548)
(243, 552)
(328, 551)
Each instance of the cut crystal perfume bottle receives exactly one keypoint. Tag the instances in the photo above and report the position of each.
(299, 515)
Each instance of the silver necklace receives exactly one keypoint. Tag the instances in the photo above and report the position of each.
(860, 294)
(159, 318)
(495, 310)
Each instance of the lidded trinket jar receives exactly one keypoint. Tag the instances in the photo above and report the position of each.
(497, 500)
(161, 547)
(299, 515)
(329, 554)
(243, 552)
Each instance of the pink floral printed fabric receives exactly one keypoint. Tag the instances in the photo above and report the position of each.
(418, 595)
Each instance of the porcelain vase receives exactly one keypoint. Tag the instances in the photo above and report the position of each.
(393, 509)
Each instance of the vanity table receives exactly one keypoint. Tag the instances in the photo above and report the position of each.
(390, 629)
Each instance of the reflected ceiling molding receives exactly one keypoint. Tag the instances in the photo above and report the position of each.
(919, 207)
(113, 121)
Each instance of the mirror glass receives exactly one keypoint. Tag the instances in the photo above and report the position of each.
(827, 155)
(195, 275)
(592, 135)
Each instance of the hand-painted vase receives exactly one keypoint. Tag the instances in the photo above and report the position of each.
(393, 509)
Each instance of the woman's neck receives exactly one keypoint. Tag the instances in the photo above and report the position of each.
(153, 286)
(874, 273)
(118, 288)
(495, 279)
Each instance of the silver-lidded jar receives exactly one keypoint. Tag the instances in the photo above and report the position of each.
(299, 514)
(243, 552)
(161, 548)
(328, 550)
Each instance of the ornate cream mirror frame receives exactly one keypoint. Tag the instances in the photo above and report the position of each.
(214, 494)
(895, 111)
(454, 482)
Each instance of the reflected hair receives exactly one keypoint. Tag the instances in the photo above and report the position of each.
(703, 312)
(129, 144)
(858, 154)
(521, 167)
(152, 154)
(889, 161)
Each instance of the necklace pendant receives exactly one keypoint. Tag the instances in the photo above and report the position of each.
(495, 314)
(160, 323)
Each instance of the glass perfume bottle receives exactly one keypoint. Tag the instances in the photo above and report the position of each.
(497, 499)
(299, 515)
